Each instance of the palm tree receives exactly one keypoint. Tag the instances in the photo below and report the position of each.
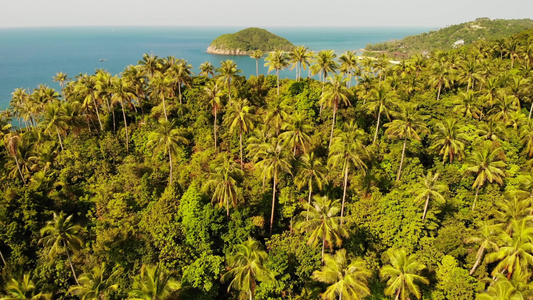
(161, 88)
(348, 280)
(85, 87)
(299, 58)
(55, 120)
(322, 222)
(154, 284)
(324, 63)
(516, 252)
(61, 234)
(440, 77)
(23, 289)
(310, 170)
(347, 150)
(224, 182)
(239, 115)
(349, 65)
(151, 65)
(296, 134)
(276, 113)
(448, 140)
(181, 74)
(213, 93)
(167, 139)
(407, 126)
(336, 94)
(381, 100)
(122, 94)
(206, 68)
(228, 70)
(61, 78)
(488, 166)
(502, 289)
(11, 142)
(430, 189)
(486, 236)
(277, 60)
(402, 272)
(246, 265)
(95, 285)
(257, 54)
(526, 137)
(469, 105)
(273, 161)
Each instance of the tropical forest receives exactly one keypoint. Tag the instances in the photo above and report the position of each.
(356, 178)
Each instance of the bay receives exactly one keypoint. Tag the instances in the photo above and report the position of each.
(32, 56)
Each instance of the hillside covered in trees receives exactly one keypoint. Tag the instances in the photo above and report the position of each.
(450, 37)
(245, 41)
(376, 181)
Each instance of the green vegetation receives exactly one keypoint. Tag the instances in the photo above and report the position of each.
(378, 181)
(248, 40)
(450, 37)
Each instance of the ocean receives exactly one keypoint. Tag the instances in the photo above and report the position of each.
(32, 56)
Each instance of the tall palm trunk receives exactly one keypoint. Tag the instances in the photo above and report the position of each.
(475, 198)
(273, 204)
(309, 200)
(332, 124)
(126, 127)
(18, 167)
(215, 130)
(240, 144)
(170, 163)
(277, 75)
(425, 208)
(257, 67)
(438, 94)
(478, 260)
(377, 126)
(98, 116)
(60, 141)
(530, 110)
(70, 262)
(3, 260)
(398, 294)
(344, 192)
(164, 106)
(179, 92)
(401, 161)
(323, 245)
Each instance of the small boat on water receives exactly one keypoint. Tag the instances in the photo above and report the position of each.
(102, 59)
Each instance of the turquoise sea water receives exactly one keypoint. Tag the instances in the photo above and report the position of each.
(31, 56)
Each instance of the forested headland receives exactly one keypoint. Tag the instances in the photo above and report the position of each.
(450, 37)
(374, 181)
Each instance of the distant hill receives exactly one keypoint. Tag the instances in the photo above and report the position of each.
(453, 36)
(247, 40)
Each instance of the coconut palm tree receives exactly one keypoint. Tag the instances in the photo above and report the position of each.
(246, 265)
(299, 58)
(167, 139)
(123, 95)
(154, 284)
(296, 134)
(11, 142)
(488, 166)
(55, 121)
(257, 54)
(349, 65)
(449, 140)
(95, 284)
(273, 161)
(336, 94)
(348, 150)
(348, 280)
(324, 64)
(381, 100)
(161, 88)
(402, 273)
(501, 289)
(213, 93)
(206, 69)
(228, 70)
(277, 113)
(61, 78)
(408, 125)
(223, 182)
(440, 77)
(526, 137)
(61, 234)
(322, 222)
(486, 235)
(151, 65)
(239, 116)
(310, 170)
(516, 251)
(430, 189)
(181, 74)
(277, 60)
(23, 289)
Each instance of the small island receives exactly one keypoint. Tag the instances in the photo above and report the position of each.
(247, 40)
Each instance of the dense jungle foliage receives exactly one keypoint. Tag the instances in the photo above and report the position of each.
(450, 37)
(251, 39)
(159, 184)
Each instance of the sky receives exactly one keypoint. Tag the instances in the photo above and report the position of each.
(264, 13)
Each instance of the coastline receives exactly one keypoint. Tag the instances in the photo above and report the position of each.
(217, 51)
